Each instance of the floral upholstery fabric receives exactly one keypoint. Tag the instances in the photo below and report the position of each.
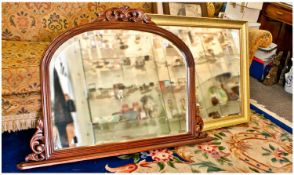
(18, 104)
(43, 21)
(20, 66)
(259, 146)
(258, 38)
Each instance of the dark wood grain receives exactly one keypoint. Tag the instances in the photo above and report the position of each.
(277, 18)
(278, 12)
(115, 18)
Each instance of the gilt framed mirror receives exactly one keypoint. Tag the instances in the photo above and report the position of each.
(118, 85)
(220, 52)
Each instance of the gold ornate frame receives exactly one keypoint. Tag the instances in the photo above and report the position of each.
(242, 26)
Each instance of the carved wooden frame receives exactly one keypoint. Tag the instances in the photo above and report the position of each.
(114, 18)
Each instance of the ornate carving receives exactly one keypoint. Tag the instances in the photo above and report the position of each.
(37, 144)
(199, 121)
(199, 124)
(124, 14)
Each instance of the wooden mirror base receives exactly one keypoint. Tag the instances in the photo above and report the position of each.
(50, 162)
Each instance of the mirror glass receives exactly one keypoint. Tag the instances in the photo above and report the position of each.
(216, 53)
(111, 86)
(185, 9)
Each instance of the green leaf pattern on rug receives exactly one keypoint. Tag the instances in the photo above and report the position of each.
(135, 157)
(211, 167)
(276, 154)
(285, 137)
(161, 165)
(215, 151)
(171, 164)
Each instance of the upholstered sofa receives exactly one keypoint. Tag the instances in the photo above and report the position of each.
(27, 29)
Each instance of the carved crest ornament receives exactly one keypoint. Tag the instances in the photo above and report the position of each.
(124, 14)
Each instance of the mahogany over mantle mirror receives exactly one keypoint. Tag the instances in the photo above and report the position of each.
(118, 85)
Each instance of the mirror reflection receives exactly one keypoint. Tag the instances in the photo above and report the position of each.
(216, 54)
(112, 86)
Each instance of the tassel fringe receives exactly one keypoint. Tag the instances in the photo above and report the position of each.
(12, 123)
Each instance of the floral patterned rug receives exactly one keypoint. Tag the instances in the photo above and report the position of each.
(258, 146)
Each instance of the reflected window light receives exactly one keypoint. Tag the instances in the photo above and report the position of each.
(165, 43)
(100, 44)
(93, 44)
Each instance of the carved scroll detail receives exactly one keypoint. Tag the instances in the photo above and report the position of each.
(124, 14)
(37, 144)
(199, 124)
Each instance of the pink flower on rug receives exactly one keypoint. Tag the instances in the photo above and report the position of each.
(161, 155)
(278, 153)
(216, 155)
(208, 148)
(213, 151)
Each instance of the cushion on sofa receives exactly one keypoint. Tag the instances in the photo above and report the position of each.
(258, 38)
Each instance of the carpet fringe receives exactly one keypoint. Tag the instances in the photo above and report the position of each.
(20, 122)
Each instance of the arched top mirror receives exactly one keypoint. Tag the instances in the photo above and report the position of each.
(115, 86)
